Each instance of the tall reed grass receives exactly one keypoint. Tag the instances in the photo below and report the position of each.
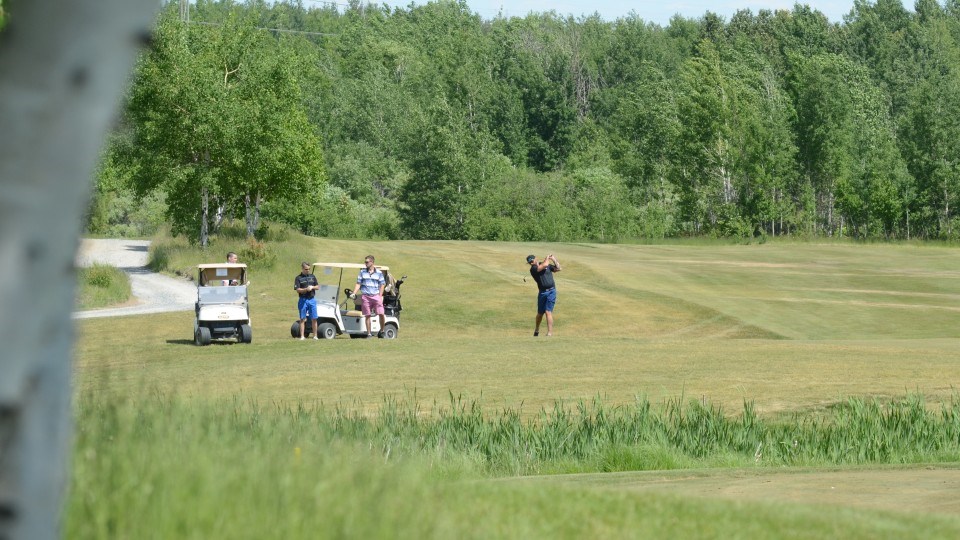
(677, 434)
(164, 467)
(586, 437)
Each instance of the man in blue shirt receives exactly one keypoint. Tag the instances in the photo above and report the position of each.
(370, 283)
(542, 273)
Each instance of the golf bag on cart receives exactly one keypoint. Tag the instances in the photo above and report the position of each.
(391, 295)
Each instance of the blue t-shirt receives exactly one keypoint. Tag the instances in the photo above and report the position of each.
(370, 282)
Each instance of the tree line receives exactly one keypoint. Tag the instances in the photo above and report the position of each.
(431, 122)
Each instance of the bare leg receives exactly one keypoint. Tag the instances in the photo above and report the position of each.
(537, 329)
(549, 323)
(314, 327)
(368, 326)
(383, 321)
(302, 321)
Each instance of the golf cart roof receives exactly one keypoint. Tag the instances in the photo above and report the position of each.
(355, 266)
(221, 265)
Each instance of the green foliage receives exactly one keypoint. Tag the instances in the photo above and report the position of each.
(516, 205)
(778, 123)
(100, 286)
(166, 252)
(434, 197)
(119, 214)
(232, 230)
(100, 275)
(178, 255)
(848, 144)
(273, 232)
(115, 209)
(257, 254)
(332, 213)
(219, 122)
(604, 205)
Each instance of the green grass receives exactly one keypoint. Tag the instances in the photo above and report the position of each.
(826, 338)
(101, 285)
(160, 467)
(591, 437)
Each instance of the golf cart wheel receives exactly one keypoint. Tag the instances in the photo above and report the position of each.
(326, 331)
(390, 331)
(295, 330)
(246, 333)
(202, 337)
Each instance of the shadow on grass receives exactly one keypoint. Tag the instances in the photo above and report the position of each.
(191, 342)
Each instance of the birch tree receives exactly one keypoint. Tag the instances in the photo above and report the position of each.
(62, 71)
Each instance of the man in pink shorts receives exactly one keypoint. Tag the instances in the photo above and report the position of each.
(370, 283)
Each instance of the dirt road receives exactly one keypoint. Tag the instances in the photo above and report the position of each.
(152, 292)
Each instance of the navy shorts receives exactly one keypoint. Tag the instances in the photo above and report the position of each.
(546, 300)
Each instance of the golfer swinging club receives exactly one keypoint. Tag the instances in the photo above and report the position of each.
(542, 273)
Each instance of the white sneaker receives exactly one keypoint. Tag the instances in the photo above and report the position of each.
(301, 337)
(315, 337)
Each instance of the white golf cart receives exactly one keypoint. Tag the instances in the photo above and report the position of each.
(344, 317)
(223, 311)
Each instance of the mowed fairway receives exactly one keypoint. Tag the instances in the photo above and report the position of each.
(787, 326)
(792, 328)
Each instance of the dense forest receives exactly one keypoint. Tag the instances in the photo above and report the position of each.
(431, 122)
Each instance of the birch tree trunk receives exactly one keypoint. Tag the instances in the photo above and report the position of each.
(204, 216)
(256, 214)
(62, 70)
(249, 217)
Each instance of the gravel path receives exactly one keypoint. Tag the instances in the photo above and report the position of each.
(152, 292)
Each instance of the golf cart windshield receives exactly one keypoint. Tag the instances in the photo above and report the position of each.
(332, 276)
(222, 295)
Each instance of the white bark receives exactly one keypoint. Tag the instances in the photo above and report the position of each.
(63, 66)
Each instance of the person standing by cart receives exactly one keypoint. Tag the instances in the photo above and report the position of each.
(542, 273)
(370, 283)
(306, 285)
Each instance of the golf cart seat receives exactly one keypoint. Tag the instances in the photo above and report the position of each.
(357, 310)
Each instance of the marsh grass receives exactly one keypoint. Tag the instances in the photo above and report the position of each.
(589, 437)
(101, 285)
(167, 468)
(693, 434)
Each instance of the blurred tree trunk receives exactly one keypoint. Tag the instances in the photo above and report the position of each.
(62, 70)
